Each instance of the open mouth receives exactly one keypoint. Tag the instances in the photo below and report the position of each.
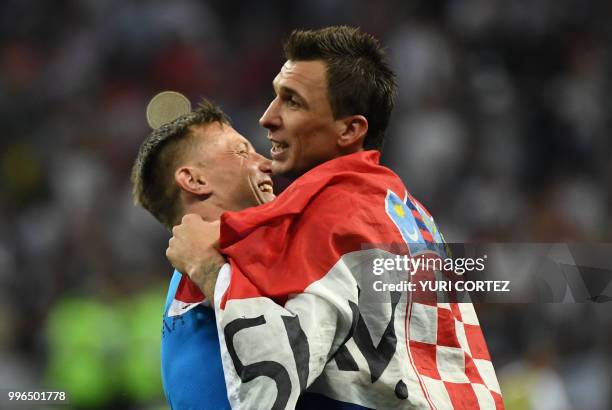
(262, 191)
(266, 187)
(277, 148)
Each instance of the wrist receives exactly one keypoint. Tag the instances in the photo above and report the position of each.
(204, 275)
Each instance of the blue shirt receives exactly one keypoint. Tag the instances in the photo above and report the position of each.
(192, 372)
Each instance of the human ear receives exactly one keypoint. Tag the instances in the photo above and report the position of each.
(192, 180)
(353, 131)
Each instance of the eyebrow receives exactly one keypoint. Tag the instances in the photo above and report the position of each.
(290, 91)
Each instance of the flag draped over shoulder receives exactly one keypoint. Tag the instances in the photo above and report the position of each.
(283, 246)
(297, 303)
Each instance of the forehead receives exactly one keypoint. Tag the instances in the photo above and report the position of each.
(216, 133)
(302, 76)
(214, 138)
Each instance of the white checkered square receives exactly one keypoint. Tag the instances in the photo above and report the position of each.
(424, 323)
(451, 364)
(468, 314)
(438, 393)
(460, 332)
(485, 368)
(444, 306)
(485, 399)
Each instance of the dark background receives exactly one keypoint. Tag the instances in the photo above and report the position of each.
(502, 129)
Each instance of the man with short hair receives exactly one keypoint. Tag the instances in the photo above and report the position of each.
(196, 164)
(299, 324)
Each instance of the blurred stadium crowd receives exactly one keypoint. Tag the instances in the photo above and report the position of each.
(502, 129)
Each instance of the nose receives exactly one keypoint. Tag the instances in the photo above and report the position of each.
(264, 164)
(271, 118)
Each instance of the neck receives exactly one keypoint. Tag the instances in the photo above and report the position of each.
(206, 209)
(292, 176)
(351, 149)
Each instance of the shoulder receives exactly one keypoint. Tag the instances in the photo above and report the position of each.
(352, 191)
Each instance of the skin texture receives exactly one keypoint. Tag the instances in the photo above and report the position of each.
(225, 167)
(300, 116)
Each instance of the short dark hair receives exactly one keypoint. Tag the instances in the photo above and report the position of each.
(359, 78)
(153, 185)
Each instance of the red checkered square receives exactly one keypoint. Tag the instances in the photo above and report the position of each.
(471, 370)
(424, 356)
(456, 311)
(447, 334)
(475, 339)
(499, 402)
(462, 396)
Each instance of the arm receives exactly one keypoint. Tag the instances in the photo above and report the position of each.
(192, 250)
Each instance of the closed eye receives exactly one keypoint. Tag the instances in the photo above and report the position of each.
(242, 149)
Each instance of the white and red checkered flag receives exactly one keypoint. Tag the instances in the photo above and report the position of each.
(301, 322)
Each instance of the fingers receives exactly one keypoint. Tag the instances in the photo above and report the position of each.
(170, 251)
(192, 224)
(171, 242)
(187, 218)
(191, 240)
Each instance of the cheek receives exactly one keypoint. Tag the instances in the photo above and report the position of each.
(245, 172)
(241, 186)
(296, 149)
(315, 145)
(236, 176)
(310, 141)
